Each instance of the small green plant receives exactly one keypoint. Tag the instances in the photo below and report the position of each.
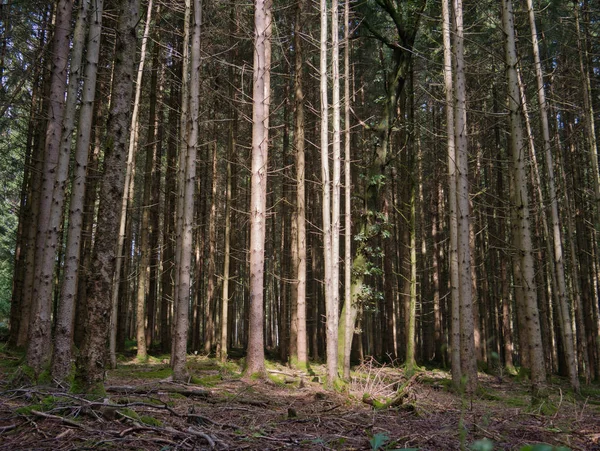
(380, 441)
(377, 441)
(482, 445)
(488, 445)
(544, 447)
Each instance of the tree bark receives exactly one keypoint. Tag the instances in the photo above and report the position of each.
(53, 176)
(255, 360)
(61, 363)
(522, 226)
(299, 295)
(452, 201)
(468, 361)
(91, 361)
(187, 190)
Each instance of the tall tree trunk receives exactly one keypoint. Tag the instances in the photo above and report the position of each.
(522, 226)
(222, 344)
(333, 305)
(53, 176)
(326, 199)
(143, 268)
(187, 191)
(349, 316)
(592, 143)
(567, 332)
(181, 168)
(157, 137)
(90, 363)
(468, 361)
(255, 360)
(209, 305)
(170, 203)
(299, 295)
(452, 204)
(61, 363)
(133, 141)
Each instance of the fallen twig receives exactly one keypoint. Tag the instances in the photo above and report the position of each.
(59, 418)
(10, 427)
(137, 390)
(192, 430)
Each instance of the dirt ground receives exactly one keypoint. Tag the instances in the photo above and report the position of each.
(144, 410)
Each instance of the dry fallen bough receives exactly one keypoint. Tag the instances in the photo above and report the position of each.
(230, 413)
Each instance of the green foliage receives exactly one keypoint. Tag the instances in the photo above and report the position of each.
(377, 441)
(544, 447)
(151, 421)
(207, 381)
(482, 445)
(488, 445)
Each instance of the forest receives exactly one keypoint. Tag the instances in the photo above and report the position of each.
(388, 203)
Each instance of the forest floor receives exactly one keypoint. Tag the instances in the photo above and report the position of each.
(217, 409)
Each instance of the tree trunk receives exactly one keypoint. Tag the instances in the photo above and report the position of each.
(468, 361)
(567, 332)
(143, 268)
(348, 318)
(255, 360)
(522, 227)
(54, 175)
(209, 305)
(300, 216)
(452, 201)
(91, 361)
(333, 305)
(61, 363)
(187, 191)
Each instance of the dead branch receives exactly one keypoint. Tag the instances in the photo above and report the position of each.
(192, 430)
(59, 418)
(158, 390)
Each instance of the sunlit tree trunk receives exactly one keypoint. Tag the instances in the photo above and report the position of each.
(222, 345)
(187, 191)
(255, 360)
(349, 316)
(333, 306)
(302, 347)
(90, 363)
(522, 226)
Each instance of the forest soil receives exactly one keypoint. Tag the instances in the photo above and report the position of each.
(144, 410)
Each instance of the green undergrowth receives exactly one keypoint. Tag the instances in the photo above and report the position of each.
(144, 419)
(143, 373)
(207, 381)
(488, 445)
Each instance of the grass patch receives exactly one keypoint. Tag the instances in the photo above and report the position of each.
(515, 401)
(207, 381)
(144, 372)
